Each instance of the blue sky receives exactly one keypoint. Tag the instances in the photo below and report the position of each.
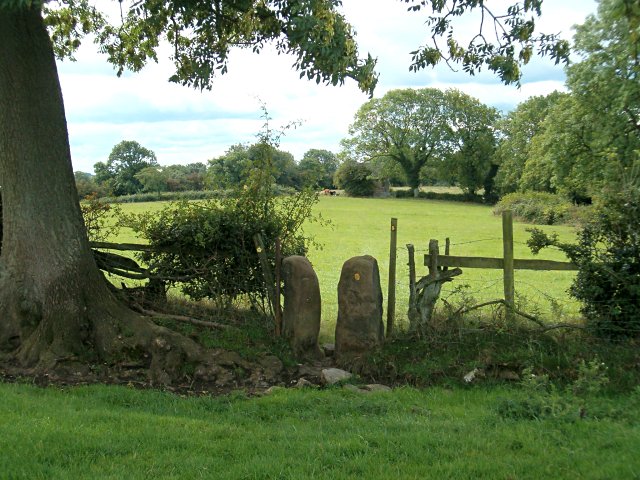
(182, 125)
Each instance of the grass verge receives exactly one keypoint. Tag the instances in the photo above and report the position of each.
(116, 432)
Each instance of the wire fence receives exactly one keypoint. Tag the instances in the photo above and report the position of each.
(543, 294)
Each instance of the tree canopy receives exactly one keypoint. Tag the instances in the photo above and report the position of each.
(518, 129)
(429, 133)
(235, 167)
(317, 168)
(126, 160)
(577, 142)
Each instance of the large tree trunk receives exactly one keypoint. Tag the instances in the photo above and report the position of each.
(55, 304)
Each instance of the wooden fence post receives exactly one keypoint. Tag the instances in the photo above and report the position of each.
(434, 252)
(391, 296)
(507, 246)
(413, 308)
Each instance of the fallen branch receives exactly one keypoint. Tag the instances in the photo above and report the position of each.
(182, 318)
(543, 327)
(502, 302)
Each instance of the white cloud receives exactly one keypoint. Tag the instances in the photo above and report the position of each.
(183, 125)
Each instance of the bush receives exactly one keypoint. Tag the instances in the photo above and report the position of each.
(540, 207)
(355, 179)
(608, 258)
(99, 218)
(167, 196)
(207, 248)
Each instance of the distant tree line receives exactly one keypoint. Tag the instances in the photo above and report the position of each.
(132, 168)
(574, 144)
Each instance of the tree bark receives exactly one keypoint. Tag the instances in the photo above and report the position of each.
(54, 302)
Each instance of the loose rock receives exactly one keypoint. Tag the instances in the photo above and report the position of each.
(376, 387)
(331, 376)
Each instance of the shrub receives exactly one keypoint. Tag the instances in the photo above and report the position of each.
(207, 248)
(167, 196)
(540, 207)
(99, 218)
(608, 258)
(445, 196)
(355, 179)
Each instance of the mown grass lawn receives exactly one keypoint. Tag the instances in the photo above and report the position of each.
(362, 227)
(116, 432)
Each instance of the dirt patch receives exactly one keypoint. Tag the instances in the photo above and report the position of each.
(229, 372)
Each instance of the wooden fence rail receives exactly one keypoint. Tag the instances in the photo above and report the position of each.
(498, 263)
(507, 264)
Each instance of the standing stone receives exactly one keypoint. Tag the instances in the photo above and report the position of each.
(359, 328)
(301, 313)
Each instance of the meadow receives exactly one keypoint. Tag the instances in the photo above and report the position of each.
(494, 430)
(362, 227)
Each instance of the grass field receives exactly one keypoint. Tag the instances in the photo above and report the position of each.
(495, 431)
(115, 432)
(362, 226)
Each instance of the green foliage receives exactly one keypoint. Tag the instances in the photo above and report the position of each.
(445, 196)
(470, 161)
(201, 37)
(503, 42)
(86, 185)
(100, 218)
(152, 179)
(540, 207)
(208, 247)
(408, 127)
(317, 168)
(608, 259)
(167, 196)
(69, 22)
(355, 179)
(126, 160)
(429, 134)
(236, 166)
(542, 398)
(518, 129)
(568, 143)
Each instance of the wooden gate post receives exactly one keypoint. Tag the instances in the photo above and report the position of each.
(507, 246)
(391, 296)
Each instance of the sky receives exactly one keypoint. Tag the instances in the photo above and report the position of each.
(182, 125)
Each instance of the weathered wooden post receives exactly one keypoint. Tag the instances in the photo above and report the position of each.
(413, 307)
(391, 292)
(424, 293)
(507, 247)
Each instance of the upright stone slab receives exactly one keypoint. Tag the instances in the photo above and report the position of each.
(302, 308)
(359, 328)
